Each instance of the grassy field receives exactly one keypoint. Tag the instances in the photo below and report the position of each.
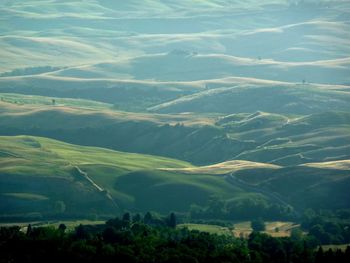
(342, 247)
(24, 152)
(238, 229)
(243, 229)
(20, 99)
(71, 224)
(275, 229)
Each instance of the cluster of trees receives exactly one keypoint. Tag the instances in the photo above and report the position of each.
(328, 227)
(242, 209)
(149, 239)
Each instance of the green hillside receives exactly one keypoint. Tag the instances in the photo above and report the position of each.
(37, 172)
(40, 176)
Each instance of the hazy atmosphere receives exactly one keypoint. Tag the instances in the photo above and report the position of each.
(175, 131)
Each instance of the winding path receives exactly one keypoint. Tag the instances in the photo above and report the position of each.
(96, 186)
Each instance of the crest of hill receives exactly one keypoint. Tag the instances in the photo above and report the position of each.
(297, 99)
(336, 165)
(188, 66)
(224, 167)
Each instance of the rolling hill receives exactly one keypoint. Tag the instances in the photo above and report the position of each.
(36, 173)
(181, 65)
(258, 137)
(81, 33)
(39, 176)
(108, 106)
(297, 99)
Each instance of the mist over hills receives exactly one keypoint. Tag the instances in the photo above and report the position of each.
(270, 33)
(167, 105)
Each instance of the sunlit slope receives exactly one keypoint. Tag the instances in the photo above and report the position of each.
(224, 167)
(96, 180)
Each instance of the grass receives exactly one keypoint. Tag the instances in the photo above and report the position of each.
(52, 164)
(341, 165)
(82, 112)
(26, 196)
(38, 150)
(275, 229)
(224, 168)
(342, 247)
(20, 99)
(260, 137)
(243, 229)
(70, 224)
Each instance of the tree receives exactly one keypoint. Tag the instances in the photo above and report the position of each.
(127, 217)
(258, 225)
(62, 228)
(172, 220)
(216, 207)
(29, 230)
(148, 218)
(136, 218)
(319, 255)
(81, 232)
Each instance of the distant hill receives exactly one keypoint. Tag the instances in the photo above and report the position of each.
(281, 99)
(182, 65)
(76, 34)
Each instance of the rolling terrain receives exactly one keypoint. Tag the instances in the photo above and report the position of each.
(260, 136)
(94, 180)
(139, 58)
(97, 181)
(113, 106)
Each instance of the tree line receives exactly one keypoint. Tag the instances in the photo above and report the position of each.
(136, 238)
